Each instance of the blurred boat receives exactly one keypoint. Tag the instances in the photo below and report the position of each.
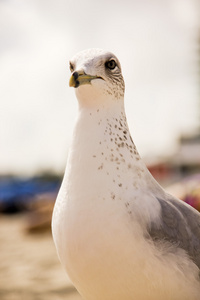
(17, 194)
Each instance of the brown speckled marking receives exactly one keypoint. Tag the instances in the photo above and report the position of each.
(100, 167)
(113, 196)
(131, 139)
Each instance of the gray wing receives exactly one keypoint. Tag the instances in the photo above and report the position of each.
(179, 225)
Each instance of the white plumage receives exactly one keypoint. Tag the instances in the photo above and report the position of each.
(117, 233)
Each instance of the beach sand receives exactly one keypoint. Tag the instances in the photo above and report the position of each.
(29, 266)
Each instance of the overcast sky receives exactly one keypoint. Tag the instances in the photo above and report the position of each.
(156, 43)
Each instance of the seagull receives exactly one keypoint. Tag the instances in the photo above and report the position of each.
(118, 234)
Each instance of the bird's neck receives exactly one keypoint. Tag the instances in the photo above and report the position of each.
(108, 113)
(103, 127)
(102, 136)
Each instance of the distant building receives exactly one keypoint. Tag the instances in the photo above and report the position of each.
(184, 162)
(188, 156)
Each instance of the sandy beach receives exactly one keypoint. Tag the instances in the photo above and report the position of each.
(29, 266)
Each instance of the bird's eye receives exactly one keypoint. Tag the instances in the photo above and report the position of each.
(111, 64)
(71, 67)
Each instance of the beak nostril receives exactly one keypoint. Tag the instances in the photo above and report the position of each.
(75, 75)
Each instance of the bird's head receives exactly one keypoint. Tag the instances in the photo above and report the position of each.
(97, 77)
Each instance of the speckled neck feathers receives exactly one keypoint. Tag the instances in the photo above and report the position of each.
(106, 140)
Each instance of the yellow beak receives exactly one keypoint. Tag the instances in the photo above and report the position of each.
(79, 78)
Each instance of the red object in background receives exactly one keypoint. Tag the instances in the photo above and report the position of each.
(188, 190)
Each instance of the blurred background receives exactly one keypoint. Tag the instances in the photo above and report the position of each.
(158, 45)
